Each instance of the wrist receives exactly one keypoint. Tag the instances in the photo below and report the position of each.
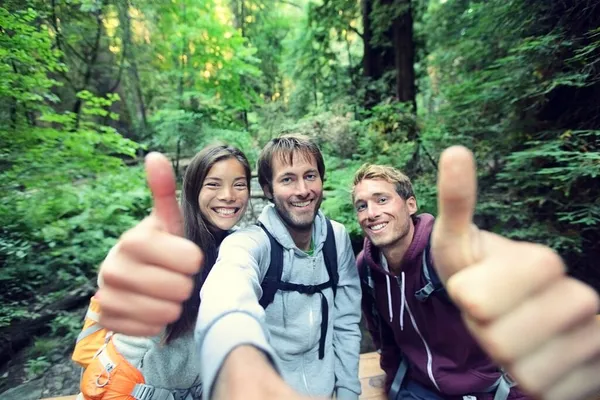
(245, 370)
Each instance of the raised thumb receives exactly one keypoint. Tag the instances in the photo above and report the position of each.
(455, 238)
(161, 181)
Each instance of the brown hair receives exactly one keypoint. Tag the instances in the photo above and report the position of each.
(391, 175)
(285, 147)
(197, 229)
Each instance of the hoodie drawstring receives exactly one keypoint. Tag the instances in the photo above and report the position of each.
(389, 296)
(402, 300)
(402, 303)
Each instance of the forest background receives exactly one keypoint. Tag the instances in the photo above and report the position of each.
(87, 87)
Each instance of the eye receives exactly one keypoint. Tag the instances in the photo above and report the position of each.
(311, 177)
(211, 184)
(286, 180)
(381, 200)
(241, 185)
(360, 207)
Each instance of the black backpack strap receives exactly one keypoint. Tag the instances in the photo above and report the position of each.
(368, 293)
(330, 256)
(272, 278)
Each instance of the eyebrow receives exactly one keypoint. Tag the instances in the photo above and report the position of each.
(215, 178)
(371, 196)
(380, 194)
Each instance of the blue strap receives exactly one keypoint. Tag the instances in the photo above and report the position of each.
(398, 379)
(505, 383)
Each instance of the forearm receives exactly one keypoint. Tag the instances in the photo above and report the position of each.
(230, 315)
(247, 370)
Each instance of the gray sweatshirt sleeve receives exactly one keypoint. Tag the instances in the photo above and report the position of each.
(346, 330)
(230, 314)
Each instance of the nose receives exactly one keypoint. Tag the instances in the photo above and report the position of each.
(372, 211)
(226, 194)
(302, 189)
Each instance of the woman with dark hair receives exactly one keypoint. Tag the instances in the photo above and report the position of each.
(215, 195)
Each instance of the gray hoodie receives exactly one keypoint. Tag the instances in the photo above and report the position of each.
(289, 329)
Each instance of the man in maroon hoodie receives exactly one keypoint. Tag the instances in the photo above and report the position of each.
(427, 351)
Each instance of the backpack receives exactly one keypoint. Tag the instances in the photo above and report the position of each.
(272, 281)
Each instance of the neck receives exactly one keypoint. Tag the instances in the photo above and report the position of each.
(394, 252)
(301, 238)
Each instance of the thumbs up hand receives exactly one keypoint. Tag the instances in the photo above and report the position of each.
(515, 297)
(149, 273)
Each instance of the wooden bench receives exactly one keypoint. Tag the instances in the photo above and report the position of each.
(372, 377)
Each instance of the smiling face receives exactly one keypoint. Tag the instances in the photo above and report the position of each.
(383, 215)
(224, 195)
(297, 190)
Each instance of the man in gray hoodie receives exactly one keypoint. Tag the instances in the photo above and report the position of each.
(313, 339)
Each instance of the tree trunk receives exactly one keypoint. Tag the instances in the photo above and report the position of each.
(378, 57)
(239, 11)
(90, 64)
(404, 59)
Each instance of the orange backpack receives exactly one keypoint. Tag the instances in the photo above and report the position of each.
(92, 337)
(107, 375)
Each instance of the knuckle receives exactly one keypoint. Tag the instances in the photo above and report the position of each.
(153, 330)
(134, 239)
(546, 259)
(531, 386)
(496, 347)
(196, 259)
(193, 257)
(172, 312)
(586, 298)
(185, 288)
(112, 275)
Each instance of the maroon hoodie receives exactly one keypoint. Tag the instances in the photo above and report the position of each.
(441, 354)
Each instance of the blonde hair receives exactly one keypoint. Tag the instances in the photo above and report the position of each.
(391, 175)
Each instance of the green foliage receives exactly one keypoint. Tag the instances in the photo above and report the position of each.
(54, 240)
(338, 199)
(37, 366)
(43, 346)
(240, 139)
(66, 326)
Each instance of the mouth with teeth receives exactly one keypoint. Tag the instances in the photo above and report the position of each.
(378, 227)
(226, 212)
(301, 204)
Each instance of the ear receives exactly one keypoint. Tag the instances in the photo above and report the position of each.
(267, 192)
(411, 204)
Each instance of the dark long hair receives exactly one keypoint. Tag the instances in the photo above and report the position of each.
(198, 230)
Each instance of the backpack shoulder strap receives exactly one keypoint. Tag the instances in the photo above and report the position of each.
(330, 256)
(433, 283)
(272, 278)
